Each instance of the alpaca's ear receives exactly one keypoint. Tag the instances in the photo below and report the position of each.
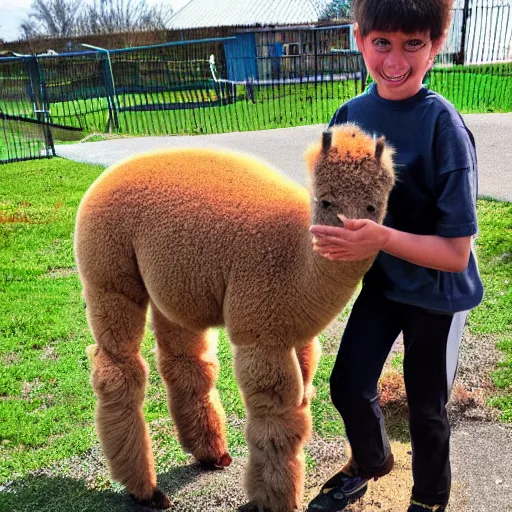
(326, 141)
(379, 148)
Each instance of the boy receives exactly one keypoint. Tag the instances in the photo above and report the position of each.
(425, 277)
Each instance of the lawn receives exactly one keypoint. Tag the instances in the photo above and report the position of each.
(472, 89)
(47, 404)
(475, 89)
(279, 106)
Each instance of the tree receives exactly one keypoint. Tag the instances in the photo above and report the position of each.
(336, 10)
(64, 18)
(54, 18)
(109, 16)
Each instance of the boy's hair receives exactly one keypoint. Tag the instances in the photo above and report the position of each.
(407, 16)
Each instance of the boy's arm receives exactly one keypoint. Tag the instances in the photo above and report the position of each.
(361, 238)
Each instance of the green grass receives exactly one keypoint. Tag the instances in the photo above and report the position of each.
(472, 89)
(43, 369)
(494, 315)
(494, 246)
(475, 89)
(47, 404)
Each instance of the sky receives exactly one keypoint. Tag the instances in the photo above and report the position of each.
(13, 12)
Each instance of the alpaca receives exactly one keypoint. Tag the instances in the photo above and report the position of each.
(209, 238)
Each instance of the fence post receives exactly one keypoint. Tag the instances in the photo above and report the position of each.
(40, 104)
(461, 54)
(364, 72)
(110, 87)
(315, 42)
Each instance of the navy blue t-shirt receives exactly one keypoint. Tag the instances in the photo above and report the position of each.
(435, 193)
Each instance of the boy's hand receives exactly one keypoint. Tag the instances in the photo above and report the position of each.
(358, 239)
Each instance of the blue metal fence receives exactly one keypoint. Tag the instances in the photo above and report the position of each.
(254, 80)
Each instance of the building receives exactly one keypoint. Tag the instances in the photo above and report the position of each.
(286, 40)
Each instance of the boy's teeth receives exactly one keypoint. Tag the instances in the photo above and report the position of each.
(395, 78)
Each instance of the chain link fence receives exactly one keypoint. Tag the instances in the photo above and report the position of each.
(251, 81)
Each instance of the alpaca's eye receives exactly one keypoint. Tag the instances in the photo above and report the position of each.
(326, 204)
(370, 208)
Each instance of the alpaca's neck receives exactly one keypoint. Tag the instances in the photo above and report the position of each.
(335, 278)
(328, 285)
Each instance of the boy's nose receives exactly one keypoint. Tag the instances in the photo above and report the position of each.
(396, 60)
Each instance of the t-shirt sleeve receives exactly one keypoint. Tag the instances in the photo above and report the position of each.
(456, 205)
(457, 181)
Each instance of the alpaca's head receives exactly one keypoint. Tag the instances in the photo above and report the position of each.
(351, 174)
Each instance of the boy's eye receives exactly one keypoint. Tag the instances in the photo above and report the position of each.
(414, 45)
(380, 43)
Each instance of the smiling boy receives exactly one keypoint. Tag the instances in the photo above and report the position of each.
(425, 278)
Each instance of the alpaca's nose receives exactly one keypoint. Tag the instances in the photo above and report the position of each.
(339, 222)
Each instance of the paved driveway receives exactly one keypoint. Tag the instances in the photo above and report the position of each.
(283, 149)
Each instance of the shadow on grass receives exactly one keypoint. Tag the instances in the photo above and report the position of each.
(393, 401)
(41, 493)
(397, 423)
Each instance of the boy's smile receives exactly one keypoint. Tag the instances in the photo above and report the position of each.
(397, 61)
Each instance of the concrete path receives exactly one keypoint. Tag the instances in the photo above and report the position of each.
(481, 455)
(283, 149)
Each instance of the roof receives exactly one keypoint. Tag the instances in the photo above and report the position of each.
(232, 13)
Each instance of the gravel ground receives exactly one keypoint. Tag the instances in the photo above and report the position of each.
(481, 455)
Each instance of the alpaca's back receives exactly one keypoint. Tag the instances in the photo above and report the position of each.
(179, 223)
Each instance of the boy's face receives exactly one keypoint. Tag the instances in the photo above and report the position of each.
(396, 61)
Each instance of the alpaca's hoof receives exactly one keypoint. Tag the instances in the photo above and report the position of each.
(252, 507)
(222, 462)
(159, 500)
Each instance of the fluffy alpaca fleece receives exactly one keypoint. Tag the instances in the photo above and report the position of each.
(209, 238)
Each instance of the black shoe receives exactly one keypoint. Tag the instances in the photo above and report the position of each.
(419, 507)
(338, 492)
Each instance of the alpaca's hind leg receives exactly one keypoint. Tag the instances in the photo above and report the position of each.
(278, 425)
(119, 377)
(309, 356)
(188, 364)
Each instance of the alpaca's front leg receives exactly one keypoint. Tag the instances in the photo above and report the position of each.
(278, 425)
(119, 382)
(309, 356)
(119, 377)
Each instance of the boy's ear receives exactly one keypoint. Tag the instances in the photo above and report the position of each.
(359, 38)
(437, 45)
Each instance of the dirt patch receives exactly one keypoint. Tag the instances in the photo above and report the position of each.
(481, 450)
(9, 359)
(473, 386)
(15, 218)
(59, 272)
(21, 213)
(49, 353)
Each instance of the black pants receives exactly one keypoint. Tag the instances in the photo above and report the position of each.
(431, 343)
